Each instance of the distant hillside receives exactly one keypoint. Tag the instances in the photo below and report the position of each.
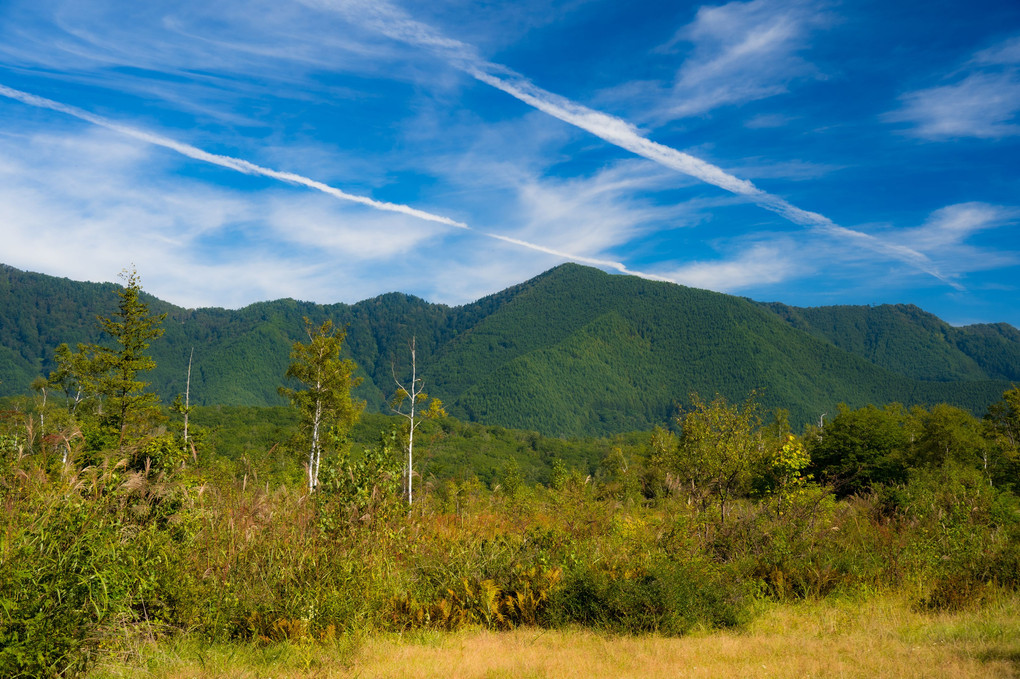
(912, 342)
(573, 351)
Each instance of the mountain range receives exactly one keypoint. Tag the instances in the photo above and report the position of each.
(573, 351)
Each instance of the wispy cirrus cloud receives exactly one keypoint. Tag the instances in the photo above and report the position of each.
(740, 52)
(249, 168)
(946, 236)
(982, 100)
(591, 214)
(200, 58)
(107, 201)
(228, 162)
(949, 236)
(760, 264)
(741, 87)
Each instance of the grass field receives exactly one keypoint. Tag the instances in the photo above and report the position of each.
(878, 637)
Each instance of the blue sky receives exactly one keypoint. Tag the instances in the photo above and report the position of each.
(811, 153)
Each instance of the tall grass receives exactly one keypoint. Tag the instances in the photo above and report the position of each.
(94, 560)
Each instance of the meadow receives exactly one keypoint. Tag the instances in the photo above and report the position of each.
(875, 637)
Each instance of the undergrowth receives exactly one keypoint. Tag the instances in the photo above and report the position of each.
(93, 559)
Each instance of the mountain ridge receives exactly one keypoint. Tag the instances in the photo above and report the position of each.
(571, 351)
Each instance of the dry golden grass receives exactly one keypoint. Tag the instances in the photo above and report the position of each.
(876, 638)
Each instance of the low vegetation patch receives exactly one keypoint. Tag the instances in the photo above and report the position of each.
(881, 636)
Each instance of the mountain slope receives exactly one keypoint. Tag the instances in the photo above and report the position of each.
(907, 340)
(572, 351)
(584, 351)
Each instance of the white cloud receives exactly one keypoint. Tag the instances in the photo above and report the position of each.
(984, 102)
(742, 51)
(950, 237)
(793, 170)
(395, 24)
(244, 73)
(347, 232)
(945, 234)
(982, 105)
(759, 265)
(764, 121)
(198, 57)
(953, 224)
(1006, 52)
(90, 204)
(592, 215)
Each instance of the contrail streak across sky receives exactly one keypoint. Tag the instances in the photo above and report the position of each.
(246, 167)
(393, 23)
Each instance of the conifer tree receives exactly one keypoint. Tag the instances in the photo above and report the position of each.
(126, 404)
(109, 377)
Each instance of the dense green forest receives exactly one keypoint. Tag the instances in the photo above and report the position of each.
(127, 522)
(573, 352)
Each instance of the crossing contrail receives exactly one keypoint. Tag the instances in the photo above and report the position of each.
(395, 24)
(246, 167)
(236, 164)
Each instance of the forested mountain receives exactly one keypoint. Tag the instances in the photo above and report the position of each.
(572, 351)
(912, 342)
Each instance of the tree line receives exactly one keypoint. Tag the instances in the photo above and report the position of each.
(108, 405)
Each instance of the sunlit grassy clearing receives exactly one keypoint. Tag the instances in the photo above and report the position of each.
(874, 637)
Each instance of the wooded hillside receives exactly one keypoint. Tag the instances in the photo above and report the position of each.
(574, 351)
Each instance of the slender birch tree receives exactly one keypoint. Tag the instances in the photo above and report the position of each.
(325, 401)
(39, 384)
(406, 404)
(183, 406)
(74, 375)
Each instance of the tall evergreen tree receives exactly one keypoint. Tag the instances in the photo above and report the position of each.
(126, 404)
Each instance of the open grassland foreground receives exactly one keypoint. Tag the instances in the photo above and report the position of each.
(881, 636)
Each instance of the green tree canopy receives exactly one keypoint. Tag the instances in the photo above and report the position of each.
(948, 435)
(325, 401)
(1003, 422)
(126, 403)
(108, 377)
(861, 448)
(720, 446)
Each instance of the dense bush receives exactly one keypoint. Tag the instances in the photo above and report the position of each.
(663, 596)
(83, 554)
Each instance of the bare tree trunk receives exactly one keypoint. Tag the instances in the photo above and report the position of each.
(187, 396)
(415, 388)
(314, 455)
(42, 414)
(410, 434)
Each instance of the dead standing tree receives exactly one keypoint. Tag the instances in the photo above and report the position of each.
(406, 404)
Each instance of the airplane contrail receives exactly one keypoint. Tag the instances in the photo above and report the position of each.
(395, 24)
(246, 167)
(236, 164)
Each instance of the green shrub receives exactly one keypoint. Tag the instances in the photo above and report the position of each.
(64, 581)
(666, 597)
